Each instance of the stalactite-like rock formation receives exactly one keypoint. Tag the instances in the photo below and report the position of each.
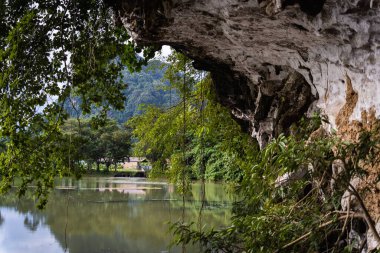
(272, 61)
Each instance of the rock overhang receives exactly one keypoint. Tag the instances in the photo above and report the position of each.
(253, 47)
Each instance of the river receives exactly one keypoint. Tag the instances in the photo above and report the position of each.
(106, 215)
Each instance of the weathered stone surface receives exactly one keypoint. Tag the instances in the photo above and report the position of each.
(274, 60)
(251, 47)
(371, 241)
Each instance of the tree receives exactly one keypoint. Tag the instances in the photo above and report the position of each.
(120, 147)
(286, 201)
(108, 144)
(48, 51)
(146, 87)
(212, 140)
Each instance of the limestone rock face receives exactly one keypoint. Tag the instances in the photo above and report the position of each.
(271, 60)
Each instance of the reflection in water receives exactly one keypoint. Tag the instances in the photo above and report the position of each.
(15, 238)
(31, 222)
(1, 219)
(106, 215)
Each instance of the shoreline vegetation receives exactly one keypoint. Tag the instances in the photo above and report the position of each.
(120, 173)
(79, 96)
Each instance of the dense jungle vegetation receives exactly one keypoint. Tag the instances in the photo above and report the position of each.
(146, 87)
(54, 54)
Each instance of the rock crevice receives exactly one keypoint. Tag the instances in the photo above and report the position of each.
(272, 61)
(251, 47)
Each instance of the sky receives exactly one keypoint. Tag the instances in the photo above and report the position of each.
(165, 52)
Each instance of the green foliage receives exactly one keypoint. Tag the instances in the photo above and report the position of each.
(49, 50)
(196, 133)
(108, 144)
(276, 212)
(146, 87)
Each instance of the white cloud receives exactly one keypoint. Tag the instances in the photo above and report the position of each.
(166, 50)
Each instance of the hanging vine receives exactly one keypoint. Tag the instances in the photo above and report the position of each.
(202, 168)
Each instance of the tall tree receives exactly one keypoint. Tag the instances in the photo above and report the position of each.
(49, 50)
(108, 144)
(210, 139)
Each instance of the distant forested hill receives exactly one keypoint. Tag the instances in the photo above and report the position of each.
(145, 87)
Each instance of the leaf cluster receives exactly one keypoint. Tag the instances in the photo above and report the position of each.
(108, 144)
(196, 133)
(50, 50)
(287, 200)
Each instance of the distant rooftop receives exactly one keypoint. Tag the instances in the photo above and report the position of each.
(136, 159)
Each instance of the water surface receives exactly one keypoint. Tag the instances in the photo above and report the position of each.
(106, 215)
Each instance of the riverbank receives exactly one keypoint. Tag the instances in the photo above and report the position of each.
(118, 173)
(105, 214)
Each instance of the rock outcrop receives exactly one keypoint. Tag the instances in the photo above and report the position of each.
(255, 49)
(272, 61)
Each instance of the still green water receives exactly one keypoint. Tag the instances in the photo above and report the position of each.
(106, 215)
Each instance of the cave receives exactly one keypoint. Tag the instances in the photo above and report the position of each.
(256, 49)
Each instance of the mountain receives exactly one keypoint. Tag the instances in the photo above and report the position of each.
(146, 87)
